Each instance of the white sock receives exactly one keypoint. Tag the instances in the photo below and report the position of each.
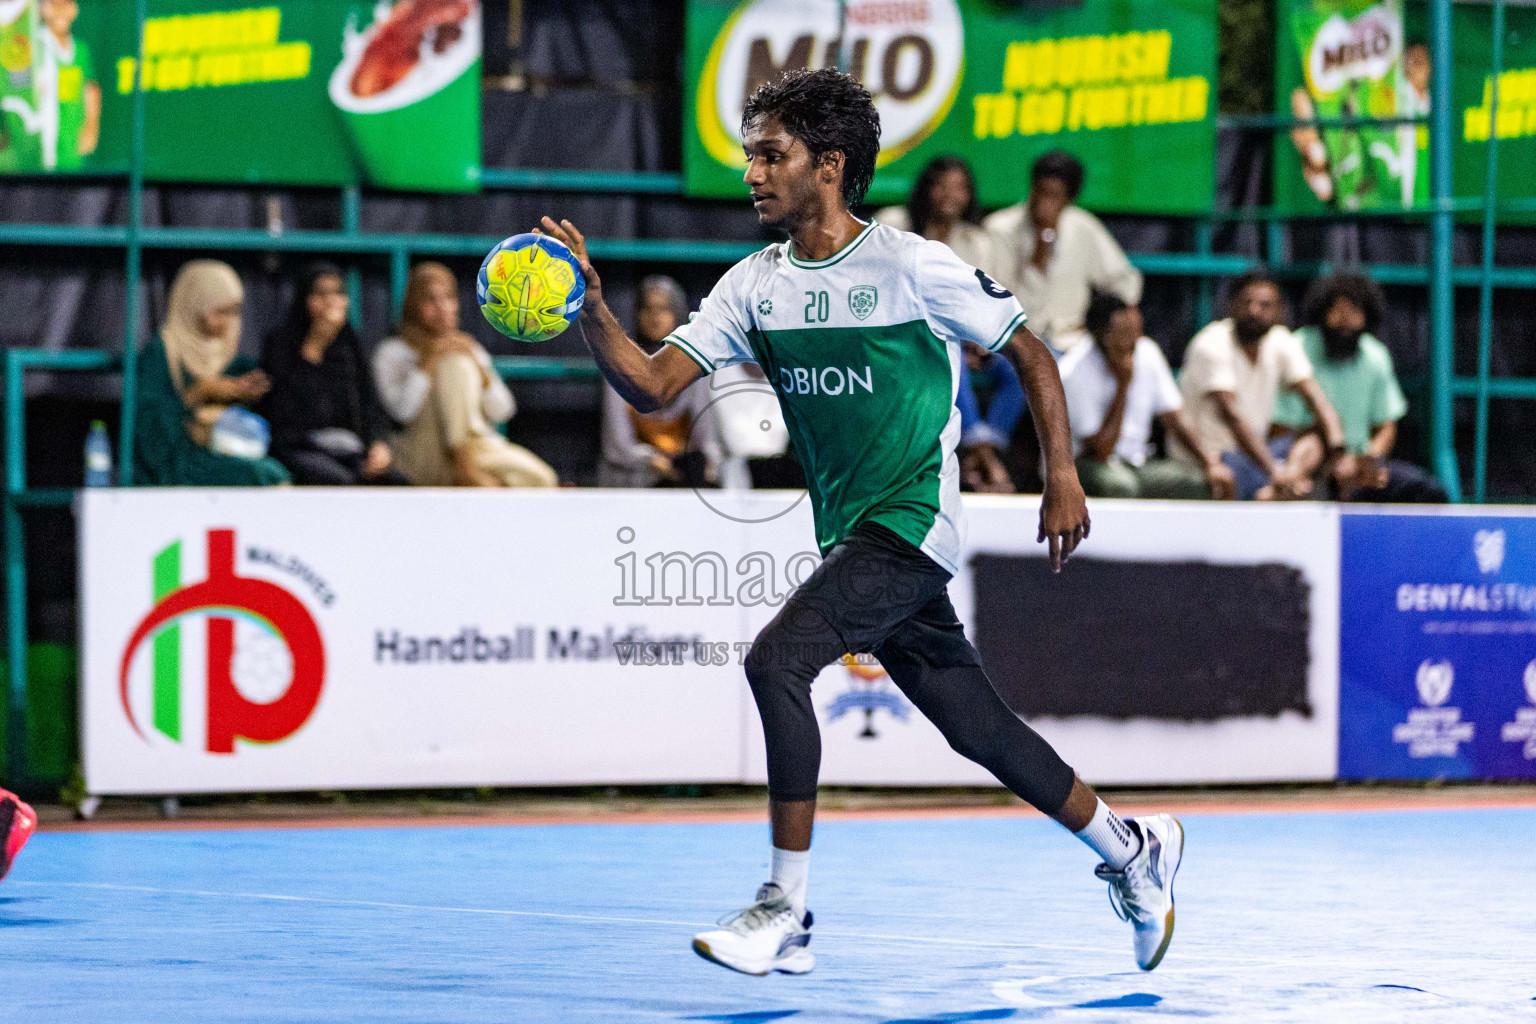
(790, 868)
(1111, 838)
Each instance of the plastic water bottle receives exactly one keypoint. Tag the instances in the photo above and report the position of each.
(98, 456)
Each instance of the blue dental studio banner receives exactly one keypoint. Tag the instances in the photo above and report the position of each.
(1437, 646)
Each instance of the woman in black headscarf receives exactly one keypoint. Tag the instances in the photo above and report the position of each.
(327, 426)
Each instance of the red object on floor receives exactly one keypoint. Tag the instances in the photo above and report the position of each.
(17, 823)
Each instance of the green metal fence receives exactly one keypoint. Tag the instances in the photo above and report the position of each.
(1203, 264)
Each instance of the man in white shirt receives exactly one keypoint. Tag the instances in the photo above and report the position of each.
(1055, 253)
(1234, 372)
(1115, 388)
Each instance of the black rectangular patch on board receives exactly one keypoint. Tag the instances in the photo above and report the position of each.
(1184, 641)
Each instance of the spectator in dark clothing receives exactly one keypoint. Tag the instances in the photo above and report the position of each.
(984, 439)
(327, 425)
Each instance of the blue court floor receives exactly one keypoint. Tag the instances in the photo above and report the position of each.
(1389, 916)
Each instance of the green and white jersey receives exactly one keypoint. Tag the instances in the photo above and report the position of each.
(863, 349)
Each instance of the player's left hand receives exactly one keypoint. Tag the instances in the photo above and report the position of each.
(573, 240)
(1063, 519)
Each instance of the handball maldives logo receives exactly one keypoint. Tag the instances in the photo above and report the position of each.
(278, 631)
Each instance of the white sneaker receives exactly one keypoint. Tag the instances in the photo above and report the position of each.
(1143, 893)
(762, 938)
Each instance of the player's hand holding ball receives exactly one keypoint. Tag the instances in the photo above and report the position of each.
(531, 286)
(566, 232)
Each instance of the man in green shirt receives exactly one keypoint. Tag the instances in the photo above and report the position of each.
(859, 328)
(1354, 370)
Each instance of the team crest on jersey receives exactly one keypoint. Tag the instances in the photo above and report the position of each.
(862, 300)
(765, 308)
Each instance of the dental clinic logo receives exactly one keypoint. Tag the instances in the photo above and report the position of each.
(1523, 729)
(277, 653)
(1488, 547)
(1434, 680)
(1433, 730)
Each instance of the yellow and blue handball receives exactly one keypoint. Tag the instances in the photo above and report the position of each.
(530, 287)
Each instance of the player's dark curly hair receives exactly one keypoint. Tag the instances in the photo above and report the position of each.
(1102, 307)
(920, 202)
(829, 112)
(1062, 166)
(1357, 288)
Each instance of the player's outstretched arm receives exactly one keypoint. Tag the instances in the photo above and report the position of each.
(1063, 509)
(646, 382)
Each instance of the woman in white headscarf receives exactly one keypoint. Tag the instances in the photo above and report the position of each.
(189, 374)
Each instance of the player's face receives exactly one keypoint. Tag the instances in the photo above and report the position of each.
(327, 302)
(781, 175)
(1255, 310)
(1342, 326)
(950, 195)
(221, 320)
(439, 309)
(1344, 316)
(656, 319)
(1047, 198)
(60, 15)
(1123, 331)
(1416, 67)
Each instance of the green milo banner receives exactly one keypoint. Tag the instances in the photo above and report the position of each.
(1359, 58)
(1126, 86)
(297, 92)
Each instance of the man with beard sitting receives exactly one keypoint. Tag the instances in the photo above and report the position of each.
(1235, 370)
(1341, 314)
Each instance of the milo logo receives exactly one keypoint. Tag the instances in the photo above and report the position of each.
(1347, 50)
(908, 53)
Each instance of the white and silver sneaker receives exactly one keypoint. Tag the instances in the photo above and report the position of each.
(762, 938)
(1143, 893)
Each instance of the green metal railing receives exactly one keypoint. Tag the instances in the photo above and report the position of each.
(1441, 277)
(20, 497)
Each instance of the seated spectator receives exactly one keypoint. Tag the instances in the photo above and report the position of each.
(1234, 372)
(439, 382)
(984, 439)
(1115, 388)
(327, 426)
(943, 207)
(678, 444)
(1055, 253)
(190, 375)
(1341, 315)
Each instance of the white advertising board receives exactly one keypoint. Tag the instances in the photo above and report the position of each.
(249, 640)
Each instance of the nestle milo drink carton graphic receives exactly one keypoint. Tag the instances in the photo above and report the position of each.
(408, 92)
(20, 147)
(1355, 64)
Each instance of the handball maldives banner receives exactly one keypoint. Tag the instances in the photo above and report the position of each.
(243, 640)
(1128, 87)
(1438, 646)
(299, 92)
